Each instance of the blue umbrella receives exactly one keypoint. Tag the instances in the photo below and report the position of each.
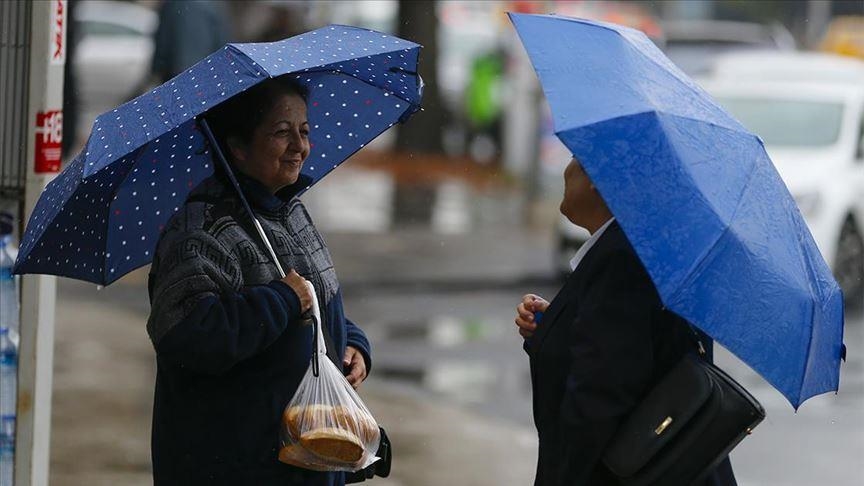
(698, 198)
(102, 216)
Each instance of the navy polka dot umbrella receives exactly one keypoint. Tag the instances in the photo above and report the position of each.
(102, 216)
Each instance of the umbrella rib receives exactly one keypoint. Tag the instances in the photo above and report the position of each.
(812, 277)
(133, 156)
(691, 85)
(46, 225)
(560, 132)
(333, 71)
(697, 268)
(806, 358)
(617, 31)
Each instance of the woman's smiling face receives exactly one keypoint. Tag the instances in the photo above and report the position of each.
(279, 144)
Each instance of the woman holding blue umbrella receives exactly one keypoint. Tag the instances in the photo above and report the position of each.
(602, 343)
(707, 233)
(230, 343)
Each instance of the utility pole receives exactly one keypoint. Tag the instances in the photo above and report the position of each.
(44, 120)
(818, 17)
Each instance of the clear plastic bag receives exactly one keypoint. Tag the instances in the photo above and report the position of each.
(326, 426)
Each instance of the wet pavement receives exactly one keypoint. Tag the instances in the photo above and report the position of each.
(104, 366)
(466, 352)
(104, 372)
(450, 381)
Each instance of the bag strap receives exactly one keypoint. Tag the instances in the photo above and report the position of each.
(699, 339)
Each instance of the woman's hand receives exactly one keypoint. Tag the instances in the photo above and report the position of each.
(525, 313)
(300, 287)
(355, 366)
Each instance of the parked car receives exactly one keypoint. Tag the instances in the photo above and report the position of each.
(808, 109)
(694, 44)
(113, 54)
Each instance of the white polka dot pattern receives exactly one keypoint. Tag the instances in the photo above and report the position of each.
(102, 216)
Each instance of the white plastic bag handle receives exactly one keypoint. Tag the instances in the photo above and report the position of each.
(320, 346)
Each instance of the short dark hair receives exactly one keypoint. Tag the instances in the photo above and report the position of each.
(240, 115)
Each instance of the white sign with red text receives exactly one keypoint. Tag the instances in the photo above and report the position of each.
(58, 32)
(49, 138)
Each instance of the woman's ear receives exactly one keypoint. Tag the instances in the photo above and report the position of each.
(236, 149)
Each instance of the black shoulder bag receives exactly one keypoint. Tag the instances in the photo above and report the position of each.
(683, 427)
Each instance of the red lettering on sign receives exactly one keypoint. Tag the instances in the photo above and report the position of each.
(58, 30)
(49, 137)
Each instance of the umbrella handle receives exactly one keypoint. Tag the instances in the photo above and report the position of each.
(268, 245)
(320, 346)
(221, 158)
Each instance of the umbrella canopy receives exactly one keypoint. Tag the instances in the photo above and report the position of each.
(698, 198)
(102, 216)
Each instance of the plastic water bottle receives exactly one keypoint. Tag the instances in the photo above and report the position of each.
(9, 307)
(7, 452)
(7, 459)
(8, 405)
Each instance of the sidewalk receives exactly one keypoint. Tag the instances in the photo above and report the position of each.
(417, 258)
(103, 385)
(476, 234)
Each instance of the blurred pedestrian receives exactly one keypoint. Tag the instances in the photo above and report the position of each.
(71, 103)
(230, 344)
(284, 19)
(188, 31)
(483, 106)
(602, 343)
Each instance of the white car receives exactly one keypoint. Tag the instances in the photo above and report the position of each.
(113, 54)
(693, 44)
(809, 111)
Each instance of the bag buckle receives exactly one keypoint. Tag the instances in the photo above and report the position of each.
(663, 425)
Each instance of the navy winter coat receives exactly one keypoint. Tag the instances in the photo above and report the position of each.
(230, 349)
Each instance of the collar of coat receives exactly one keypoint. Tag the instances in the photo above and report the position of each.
(260, 198)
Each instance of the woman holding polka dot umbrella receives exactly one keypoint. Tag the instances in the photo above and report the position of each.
(209, 165)
(101, 217)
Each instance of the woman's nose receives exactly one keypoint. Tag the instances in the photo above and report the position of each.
(295, 140)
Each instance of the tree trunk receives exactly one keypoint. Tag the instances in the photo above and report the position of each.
(418, 22)
(422, 134)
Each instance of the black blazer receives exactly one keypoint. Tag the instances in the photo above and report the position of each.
(604, 341)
